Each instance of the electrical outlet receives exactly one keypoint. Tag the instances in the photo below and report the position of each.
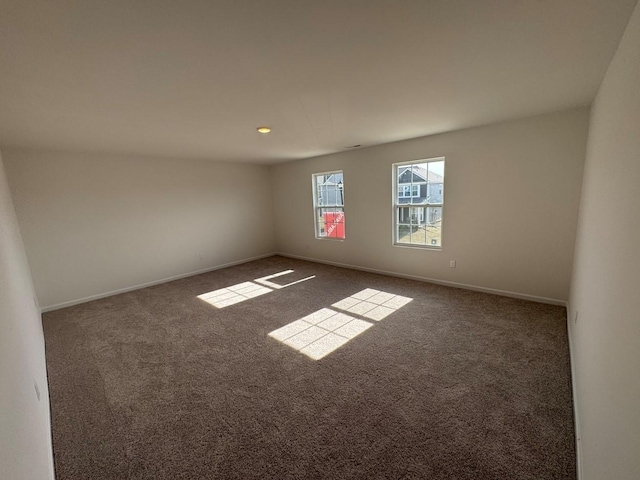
(452, 264)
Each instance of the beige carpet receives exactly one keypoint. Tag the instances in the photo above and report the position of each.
(319, 373)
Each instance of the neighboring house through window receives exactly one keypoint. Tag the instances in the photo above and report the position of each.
(418, 202)
(328, 204)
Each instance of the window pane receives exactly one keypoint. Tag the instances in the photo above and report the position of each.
(404, 217)
(320, 190)
(338, 187)
(411, 225)
(329, 189)
(417, 215)
(404, 234)
(437, 168)
(436, 182)
(434, 226)
(331, 222)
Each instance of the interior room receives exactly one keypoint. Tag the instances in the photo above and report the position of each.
(425, 267)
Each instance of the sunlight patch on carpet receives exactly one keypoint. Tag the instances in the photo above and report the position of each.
(325, 330)
(225, 297)
(267, 280)
(372, 304)
(228, 296)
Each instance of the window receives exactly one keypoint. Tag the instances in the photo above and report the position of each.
(418, 202)
(328, 204)
(409, 191)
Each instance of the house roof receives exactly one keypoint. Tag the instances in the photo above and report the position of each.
(423, 173)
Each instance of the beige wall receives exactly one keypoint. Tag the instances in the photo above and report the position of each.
(25, 438)
(606, 275)
(94, 224)
(511, 203)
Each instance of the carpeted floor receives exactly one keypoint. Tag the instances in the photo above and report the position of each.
(453, 384)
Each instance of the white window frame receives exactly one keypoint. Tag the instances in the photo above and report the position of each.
(317, 208)
(396, 204)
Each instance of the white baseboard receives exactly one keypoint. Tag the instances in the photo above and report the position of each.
(574, 391)
(70, 303)
(52, 466)
(504, 293)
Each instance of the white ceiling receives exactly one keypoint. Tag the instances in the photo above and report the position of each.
(194, 78)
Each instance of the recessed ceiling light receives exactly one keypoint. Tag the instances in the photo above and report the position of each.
(263, 129)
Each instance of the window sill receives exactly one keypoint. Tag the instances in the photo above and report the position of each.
(437, 248)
